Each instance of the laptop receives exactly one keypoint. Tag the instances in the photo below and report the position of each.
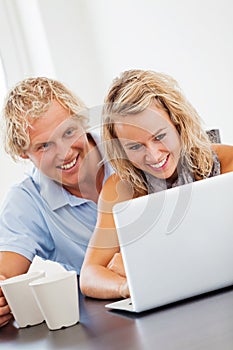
(176, 243)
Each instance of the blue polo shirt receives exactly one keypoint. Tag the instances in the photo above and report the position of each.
(39, 217)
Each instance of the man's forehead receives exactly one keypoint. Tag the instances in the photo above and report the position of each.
(34, 123)
(72, 120)
(50, 132)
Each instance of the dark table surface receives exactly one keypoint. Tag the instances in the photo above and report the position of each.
(204, 322)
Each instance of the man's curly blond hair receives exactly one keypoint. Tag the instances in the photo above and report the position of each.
(29, 100)
(132, 93)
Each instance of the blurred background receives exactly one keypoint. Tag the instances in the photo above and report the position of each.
(86, 43)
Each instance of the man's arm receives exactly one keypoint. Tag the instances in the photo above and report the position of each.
(11, 264)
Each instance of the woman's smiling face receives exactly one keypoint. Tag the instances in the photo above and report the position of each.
(150, 141)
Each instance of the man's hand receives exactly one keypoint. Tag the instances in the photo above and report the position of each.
(5, 312)
(116, 265)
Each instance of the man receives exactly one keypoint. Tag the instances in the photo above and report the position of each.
(52, 213)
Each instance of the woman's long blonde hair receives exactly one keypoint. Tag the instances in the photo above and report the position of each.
(132, 93)
(29, 100)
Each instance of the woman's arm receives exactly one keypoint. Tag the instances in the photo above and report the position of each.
(225, 156)
(98, 278)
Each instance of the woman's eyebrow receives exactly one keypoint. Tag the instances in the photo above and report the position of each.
(159, 131)
(131, 143)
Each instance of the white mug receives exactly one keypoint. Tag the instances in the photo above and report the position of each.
(21, 300)
(57, 297)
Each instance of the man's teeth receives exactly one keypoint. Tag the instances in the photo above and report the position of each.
(160, 164)
(69, 165)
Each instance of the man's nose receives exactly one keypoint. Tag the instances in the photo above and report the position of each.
(63, 149)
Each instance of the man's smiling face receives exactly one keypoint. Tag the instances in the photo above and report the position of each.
(58, 145)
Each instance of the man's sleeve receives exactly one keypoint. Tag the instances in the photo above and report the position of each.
(22, 226)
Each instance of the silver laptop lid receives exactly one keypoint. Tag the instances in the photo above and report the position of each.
(177, 243)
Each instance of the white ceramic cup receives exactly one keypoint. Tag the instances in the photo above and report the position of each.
(21, 300)
(57, 297)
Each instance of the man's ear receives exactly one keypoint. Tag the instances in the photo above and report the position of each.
(24, 156)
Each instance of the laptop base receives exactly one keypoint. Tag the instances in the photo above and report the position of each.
(125, 304)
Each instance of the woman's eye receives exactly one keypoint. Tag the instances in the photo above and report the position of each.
(160, 137)
(135, 147)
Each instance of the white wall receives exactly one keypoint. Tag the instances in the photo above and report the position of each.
(24, 52)
(92, 41)
(86, 43)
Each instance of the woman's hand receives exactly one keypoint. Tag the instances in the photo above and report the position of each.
(116, 265)
(124, 290)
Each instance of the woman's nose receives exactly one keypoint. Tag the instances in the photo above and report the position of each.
(153, 154)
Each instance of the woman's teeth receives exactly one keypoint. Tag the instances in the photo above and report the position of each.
(160, 164)
(69, 165)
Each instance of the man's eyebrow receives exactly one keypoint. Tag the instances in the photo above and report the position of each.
(73, 121)
(62, 128)
(40, 143)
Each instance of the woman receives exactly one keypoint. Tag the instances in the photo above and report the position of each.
(154, 140)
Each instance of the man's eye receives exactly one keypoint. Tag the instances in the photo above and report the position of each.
(70, 132)
(44, 146)
(160, 137)
(135, 147)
